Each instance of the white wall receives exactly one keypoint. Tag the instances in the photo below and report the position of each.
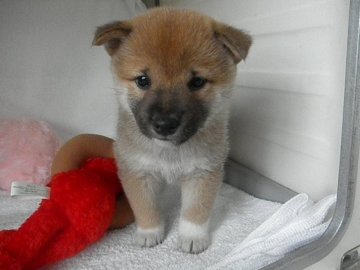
(287, 115)
(48, 68)
(286, 120)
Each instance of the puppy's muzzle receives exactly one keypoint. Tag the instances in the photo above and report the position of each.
(165, 124)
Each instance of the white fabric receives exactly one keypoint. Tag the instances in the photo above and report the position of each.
(297, 222)
(240, 237)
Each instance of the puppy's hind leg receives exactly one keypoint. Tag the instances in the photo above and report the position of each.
(142, 193)
(198, 195)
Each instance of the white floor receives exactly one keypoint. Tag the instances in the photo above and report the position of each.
(236, 214)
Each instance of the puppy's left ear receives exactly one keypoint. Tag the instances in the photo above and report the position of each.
(112, 35)
(235, 41)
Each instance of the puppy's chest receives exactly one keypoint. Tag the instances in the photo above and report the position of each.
(171, 164)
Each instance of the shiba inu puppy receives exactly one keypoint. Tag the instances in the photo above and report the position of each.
(175, 70)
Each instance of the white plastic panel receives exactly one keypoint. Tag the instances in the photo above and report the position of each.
(48, 68)
(287, 114)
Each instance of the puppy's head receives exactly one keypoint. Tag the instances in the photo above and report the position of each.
(175, 66)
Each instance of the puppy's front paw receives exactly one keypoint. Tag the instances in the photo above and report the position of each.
(193, 245)
(193, 238)
(149, 237)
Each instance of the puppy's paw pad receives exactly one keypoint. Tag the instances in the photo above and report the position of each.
(193, 245)
(149, 237)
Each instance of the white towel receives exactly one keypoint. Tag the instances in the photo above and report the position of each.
(236, 215)
(297, 222)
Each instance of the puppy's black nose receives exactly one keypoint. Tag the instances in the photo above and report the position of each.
(165, 124)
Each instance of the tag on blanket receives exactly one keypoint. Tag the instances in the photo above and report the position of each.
(22, 190)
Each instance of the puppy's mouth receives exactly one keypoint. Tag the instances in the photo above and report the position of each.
(164, 141)
(174, 136)
(178, 137)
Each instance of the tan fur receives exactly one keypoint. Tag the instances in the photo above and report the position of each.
(204, 188)
(142, 193)
(172, 46)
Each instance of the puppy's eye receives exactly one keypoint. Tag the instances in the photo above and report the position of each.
(143, 82)
(196, 83)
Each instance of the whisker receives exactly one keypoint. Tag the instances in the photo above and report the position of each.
(118, 91)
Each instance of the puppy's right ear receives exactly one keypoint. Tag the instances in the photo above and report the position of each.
(112, 35)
